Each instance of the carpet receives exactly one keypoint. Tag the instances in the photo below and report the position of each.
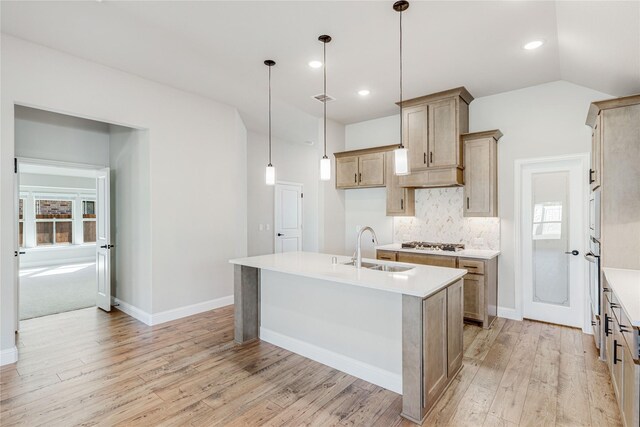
(56, 289)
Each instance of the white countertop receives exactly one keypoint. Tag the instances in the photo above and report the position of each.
(465, 253)
(626, 286)
(421, 281)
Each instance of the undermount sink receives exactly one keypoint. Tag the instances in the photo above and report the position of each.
(381, 267)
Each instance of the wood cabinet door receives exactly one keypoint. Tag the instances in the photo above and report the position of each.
(474, 297)
(437, 260)
(608, 337)
(434, 331)
(480, 173)
(347, 172)
(371, 169)
(618, 347)
(630, 389)
(443, 136)
(400, 200)
(455, 348)
(415, 135)
(596, 153)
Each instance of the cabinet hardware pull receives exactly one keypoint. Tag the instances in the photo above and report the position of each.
(360, 177)
(467, 203)
(355, 178)
(607, 319)
(613, 305)
(591, 180)
(425, 158)
(623, 329)
(615, 352)
(430, 156)
(605, 289)
(401, 204)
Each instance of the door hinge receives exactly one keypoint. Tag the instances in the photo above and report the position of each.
(15, 165)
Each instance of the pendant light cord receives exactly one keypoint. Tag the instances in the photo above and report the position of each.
(324, 61)
(269, 115)
(401, 115)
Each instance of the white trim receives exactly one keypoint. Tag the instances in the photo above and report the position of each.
(57, 163)
(173, 314)
(190, 310)
(132, 311)
(365, 371)
(509, 313)
(8, 356)
(584, 158)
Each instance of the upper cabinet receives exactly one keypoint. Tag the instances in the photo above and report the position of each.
(481, 173)
(432, 128)
(361, 168)
(596, 153)
(400, 200)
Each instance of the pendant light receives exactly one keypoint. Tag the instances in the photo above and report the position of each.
(401, 154)
(325, 162)
(270, 175)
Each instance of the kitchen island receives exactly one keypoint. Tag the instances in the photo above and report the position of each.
(392, 324)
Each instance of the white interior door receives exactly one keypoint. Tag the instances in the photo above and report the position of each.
(288, 218)
(103, 244)
(553, 207)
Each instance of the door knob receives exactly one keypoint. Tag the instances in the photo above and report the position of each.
(280, 234)
(573, 252)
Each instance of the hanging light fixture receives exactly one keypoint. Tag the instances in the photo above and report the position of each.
(325, 162)
(401, 154)
(270, 175)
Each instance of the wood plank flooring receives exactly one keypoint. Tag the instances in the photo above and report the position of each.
(93, 368)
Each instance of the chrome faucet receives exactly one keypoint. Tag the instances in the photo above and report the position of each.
(357, 259)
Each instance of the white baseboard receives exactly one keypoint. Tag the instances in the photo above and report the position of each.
(370, 373)
(173, 314)
(8, 356)
(509, 313)
(190, 310)
(133, 311)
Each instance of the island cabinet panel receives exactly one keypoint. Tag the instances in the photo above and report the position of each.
(455, 329)
(371, 169)
(435, 346)
(347, 172)
(436, 260)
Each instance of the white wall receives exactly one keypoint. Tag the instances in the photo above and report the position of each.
(539, 121)
(130, 217)
(41, 134)
(294, 162)
(197, 169)
(368, 206)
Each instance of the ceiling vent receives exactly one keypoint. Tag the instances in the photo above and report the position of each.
(323, 98)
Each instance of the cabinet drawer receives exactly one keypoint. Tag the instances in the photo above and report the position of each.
(472, 266)
(387, 255)
(437, 260)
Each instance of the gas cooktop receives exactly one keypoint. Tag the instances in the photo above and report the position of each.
(430, 246)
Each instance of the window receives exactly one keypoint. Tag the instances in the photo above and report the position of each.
(21, 224)
(54, 222)
(89, 221)
(547, 221)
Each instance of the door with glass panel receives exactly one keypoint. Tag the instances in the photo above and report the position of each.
(552, 236)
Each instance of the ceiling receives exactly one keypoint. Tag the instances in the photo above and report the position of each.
(217, 49)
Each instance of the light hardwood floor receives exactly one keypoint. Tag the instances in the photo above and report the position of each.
(94, 368)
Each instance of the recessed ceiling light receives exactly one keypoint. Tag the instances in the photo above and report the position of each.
(533, 44)
(364, 92)
(315, 64)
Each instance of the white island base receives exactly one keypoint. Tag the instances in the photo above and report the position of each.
(401, 331)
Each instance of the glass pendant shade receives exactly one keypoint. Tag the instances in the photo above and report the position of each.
(401, 161)
(325, 169)
(270, 175)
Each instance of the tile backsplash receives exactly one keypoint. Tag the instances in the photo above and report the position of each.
(439, 218)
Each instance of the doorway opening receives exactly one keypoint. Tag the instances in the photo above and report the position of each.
(551, 229)
(57, 208)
